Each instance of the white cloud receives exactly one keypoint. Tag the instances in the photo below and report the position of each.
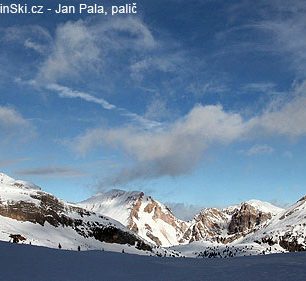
(66, 92)
(259, 149)
(176, 148)
(80, 48)
(164, 63)
(74, 50)
(287, 31)
(157, 109)
(140, 36)
(32, 37)
(172, 150)
(12, 123)
(34, 46)
(10, 118)
(83, 46)
(287, 118)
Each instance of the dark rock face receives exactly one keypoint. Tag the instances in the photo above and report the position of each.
(49, 210)
(115, 235)
(58, 214)
(16, 238)
(291, 244)
(246, 219)
(223, 226)
(288, 242)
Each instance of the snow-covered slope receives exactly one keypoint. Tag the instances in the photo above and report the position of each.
(24, 263)
(287, 229)
(29, 215)
(8, 181)
(262, 206)
(140, 213)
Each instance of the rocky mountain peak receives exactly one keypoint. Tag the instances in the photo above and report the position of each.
(246, 219)
(207, 225)
(140, 213)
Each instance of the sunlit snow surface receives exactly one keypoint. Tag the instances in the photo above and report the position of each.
(24, 262)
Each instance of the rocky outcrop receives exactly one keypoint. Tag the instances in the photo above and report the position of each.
(50, 210)
(41, 208)
(246, 219)
(207, 225)
(225, 225)
(118, 236)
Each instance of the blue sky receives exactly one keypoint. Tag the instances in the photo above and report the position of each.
(200, 103)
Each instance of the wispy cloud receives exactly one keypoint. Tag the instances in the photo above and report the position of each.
(74, 51)
(259, 149)
(66, 92)
(285, 117)
(12, 123)
(202, 88)
(9, 118)
(288, 38)
(9, 162)
(52, 172)
(157, 109)
(84, 46)
(175, 148)
(261, 87)
(160, 62)
(33, 37)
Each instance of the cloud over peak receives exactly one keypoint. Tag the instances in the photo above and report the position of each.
(172, 150)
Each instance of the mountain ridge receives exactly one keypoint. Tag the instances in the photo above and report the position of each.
(30, 215)
(118, 220)
(130, 207)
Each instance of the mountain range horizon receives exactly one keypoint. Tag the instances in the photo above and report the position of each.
(249, 228)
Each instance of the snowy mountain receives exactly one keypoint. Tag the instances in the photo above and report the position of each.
(154, 222)
(142, 214)
(287, 229)
(136, 223)
(229, 224)
(29, 215)
(284, 232)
